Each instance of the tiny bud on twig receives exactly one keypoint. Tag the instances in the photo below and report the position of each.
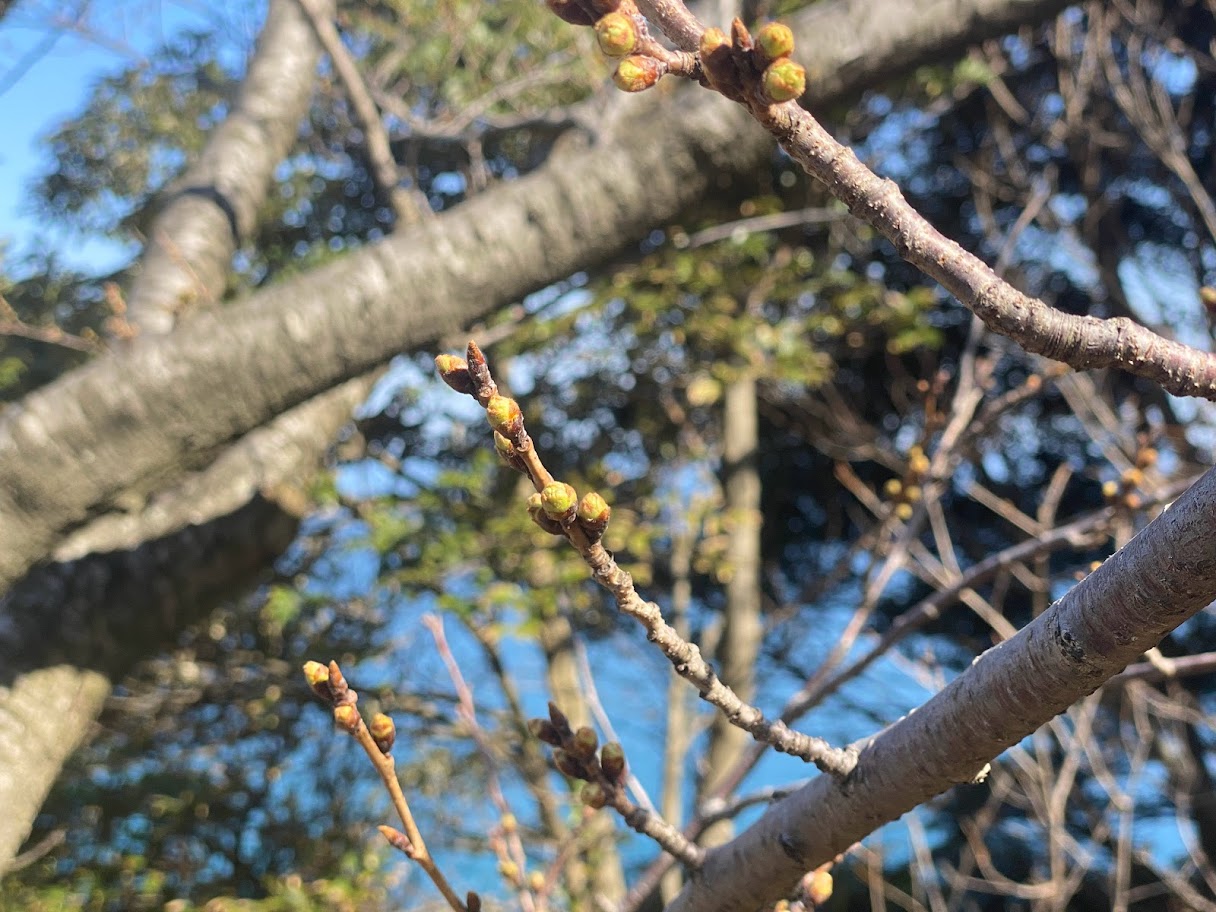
(397, 840)
(774, 41)
(637, 73)
(504, 416)
(317, 676)
(617, 34)
(347, 717)
(593, 515)
(559, 501)
(612, 761)
(593, 795)
(383, 732)
(784, 80)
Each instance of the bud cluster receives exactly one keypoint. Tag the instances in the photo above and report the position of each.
(328, 683)
(1127, 492)
(575, 755)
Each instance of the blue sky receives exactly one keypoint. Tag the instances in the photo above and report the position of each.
(48, 63)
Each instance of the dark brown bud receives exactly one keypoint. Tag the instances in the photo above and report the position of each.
(560, 722)
(543, 729)
(571, 11)
(568, 765)
(472, 902)
(337, 682)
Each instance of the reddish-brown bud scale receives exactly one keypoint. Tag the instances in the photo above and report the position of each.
(718, 62)
(455, 373)
(617, 34)
(774, 41)
(571, 11)
(537, 511)
(397, 840)
(637, 73)
(483, 383)
(383, 731)
(543, 729)
(560, 721)
(784, 80)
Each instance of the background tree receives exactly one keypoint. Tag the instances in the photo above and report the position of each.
(788, 310)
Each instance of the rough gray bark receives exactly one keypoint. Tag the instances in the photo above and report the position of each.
(71, 627)
(1163, 576)
(212, 208)
(69, 449)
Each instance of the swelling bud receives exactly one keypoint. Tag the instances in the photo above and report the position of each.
(784, 80)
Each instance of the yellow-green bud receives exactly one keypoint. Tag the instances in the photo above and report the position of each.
(784, 80)
(317, 676)
(612, 760)
(617, 34)
(508, 823)
(593, 795)
(1207, 295)
(504, 416)
(775, 40)
(584, 744)
(893, 487)
(903, 511)
(559, 501)
(509, 870)
(593, 515)
(637, 73)
(347, 717)
(384, 732)
(712, 40)
(455, 373)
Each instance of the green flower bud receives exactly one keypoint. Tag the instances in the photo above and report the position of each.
(584, 744)
(347, 717)
(559, 501)
(612, 761)
(455, 373)
(637, 73)
(593, 515)
(593, 795)
(617, 34)
(774, 41)
(537, 512)
(504, 416)
(317, 676)
(784, 80)
(384, 732)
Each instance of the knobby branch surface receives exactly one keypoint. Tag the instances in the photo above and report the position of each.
(759, 74)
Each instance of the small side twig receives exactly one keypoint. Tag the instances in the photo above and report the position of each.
(328, 683)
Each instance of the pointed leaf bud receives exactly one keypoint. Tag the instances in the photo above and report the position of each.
(455, 373)
(593, 795)
(584, 744)
(337, 682)
(504, 416)
(317, 676)
(774, 41)
(718, 62)
(347, 717)
(617, 34)
(637, 73)
(559, 501)
(571, 11)
(384, 732)
(397, 840)
(508, 453)
(612, 761)
(560, 721)
(483, 383)
(784, 80)
(543, 730)
(593, 515)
